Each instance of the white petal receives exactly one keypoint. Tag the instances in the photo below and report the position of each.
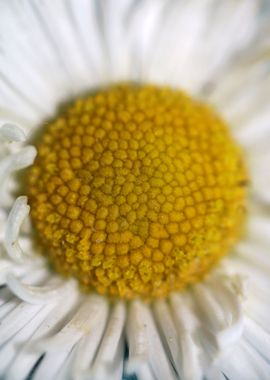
(111, 341)
(137, 337)
(170, 334)
(28, 354)
(9, 350)
(87, 24)
(257, 337)
(114, 17)
(15, 106)
(144, 22)
(80, 325)
(185, 321)
(114, 369)
(198, 38)
(231, 303)
(83, 324)
(16, 319)
(59, 27)
(144, 372)
(145, 346)
(87, 347)
(245, 363)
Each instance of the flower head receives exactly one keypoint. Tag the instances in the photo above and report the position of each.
(148, 121)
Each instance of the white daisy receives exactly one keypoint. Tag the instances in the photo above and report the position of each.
(218, 328)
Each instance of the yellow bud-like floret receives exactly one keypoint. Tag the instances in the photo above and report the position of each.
(137, 191)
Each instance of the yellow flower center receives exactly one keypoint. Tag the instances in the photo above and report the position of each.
(137, 191)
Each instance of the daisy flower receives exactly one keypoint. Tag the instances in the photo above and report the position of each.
(134, 208)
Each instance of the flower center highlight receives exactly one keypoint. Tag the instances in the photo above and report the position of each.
(137, 191)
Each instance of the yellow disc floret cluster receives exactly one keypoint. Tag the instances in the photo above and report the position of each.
(137, 191)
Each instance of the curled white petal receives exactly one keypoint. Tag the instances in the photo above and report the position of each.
(12, 132)
(39, 294)
(7, 267)
(32, 275)
(17, 161)
(17, 215)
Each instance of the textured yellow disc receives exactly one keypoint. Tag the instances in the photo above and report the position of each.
(137, 191)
